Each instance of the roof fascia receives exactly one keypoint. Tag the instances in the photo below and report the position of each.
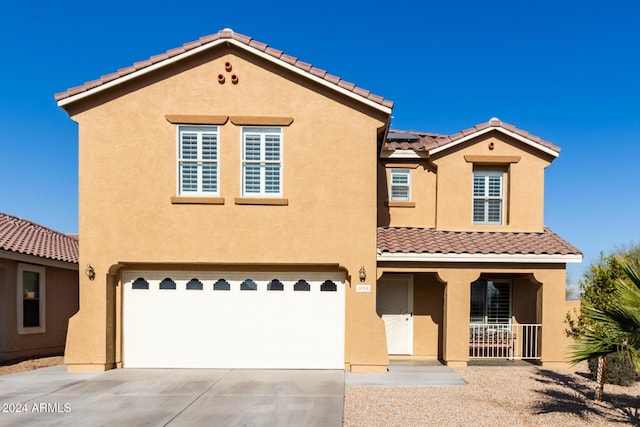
(513, 135)
(404, 154)
(32, 259)
(169, 61)
(482, 258)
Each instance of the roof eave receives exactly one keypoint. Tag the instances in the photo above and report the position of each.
(90, 92)
(34, 259)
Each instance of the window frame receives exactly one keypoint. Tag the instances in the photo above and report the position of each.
(200, 130)
(20, 298)
(262, 131)
(486, 301)
(399, 172)
(486, 198)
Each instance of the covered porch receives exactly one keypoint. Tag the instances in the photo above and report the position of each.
(487, 316)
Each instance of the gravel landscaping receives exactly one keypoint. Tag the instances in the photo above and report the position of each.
(496, 396)
(14, 366)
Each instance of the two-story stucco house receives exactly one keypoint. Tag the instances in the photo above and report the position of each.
(242, 208)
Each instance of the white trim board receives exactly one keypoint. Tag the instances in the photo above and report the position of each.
(493, 258)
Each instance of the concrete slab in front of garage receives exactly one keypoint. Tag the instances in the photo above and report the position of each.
(173, 397)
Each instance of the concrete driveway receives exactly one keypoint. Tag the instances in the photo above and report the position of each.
(174, 397)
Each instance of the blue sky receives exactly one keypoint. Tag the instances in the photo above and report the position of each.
(568, 74)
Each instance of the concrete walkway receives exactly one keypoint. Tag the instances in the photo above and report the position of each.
(174, 397)
(408, 373)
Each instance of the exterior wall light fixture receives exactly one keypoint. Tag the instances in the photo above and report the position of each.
(90, 272)
(363, 274)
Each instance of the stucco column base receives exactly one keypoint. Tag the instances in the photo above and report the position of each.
(89, 367)
(368, 368)
(456, 363)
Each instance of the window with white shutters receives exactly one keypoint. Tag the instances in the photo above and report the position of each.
(261, 162)
(198, 160)
(488, 191)
(400, 185)
(490, 302)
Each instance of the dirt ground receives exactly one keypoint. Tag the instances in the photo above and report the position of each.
(21, 365)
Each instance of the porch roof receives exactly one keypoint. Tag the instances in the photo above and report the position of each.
(429, 244)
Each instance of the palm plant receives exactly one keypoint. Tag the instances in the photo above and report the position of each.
(613, 329)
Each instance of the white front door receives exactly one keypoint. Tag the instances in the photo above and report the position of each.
(395, 306)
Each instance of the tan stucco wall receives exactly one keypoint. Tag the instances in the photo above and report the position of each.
(452, 193)
(423, 196)
(428, 294)
(127, 154)
(61, 293)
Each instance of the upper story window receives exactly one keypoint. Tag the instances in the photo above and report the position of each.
(400, 185)
(488, 197)
(31, 299)
(261, 162)
(198, 160)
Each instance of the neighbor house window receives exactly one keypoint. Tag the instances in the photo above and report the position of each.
(261, 162)
(198, 160)
(31, 299)
(490, 302)
(400, 188)
(488, 191)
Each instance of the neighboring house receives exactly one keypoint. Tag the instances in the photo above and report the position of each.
(230, 213)
(38, 288)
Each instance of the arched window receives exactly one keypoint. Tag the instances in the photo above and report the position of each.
(167, 283)
(275, 285)
(194, 285)
(248, 285)
(302, 285)
(328, 286)
(221, 285)
(140, 283)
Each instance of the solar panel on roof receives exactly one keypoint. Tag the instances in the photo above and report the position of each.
(402, 136)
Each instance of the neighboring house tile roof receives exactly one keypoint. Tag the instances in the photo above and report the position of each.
(221, 35)
(432, 241)
(423, 141)
(25, 237)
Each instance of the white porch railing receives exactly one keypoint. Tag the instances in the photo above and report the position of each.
(504, 341)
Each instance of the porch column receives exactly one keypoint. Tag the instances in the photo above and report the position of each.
(456, 315)
(551, 314)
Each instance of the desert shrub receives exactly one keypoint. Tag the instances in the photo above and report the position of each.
(619, 370)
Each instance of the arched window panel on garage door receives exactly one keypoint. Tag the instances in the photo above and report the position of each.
(167, 283)
(328, 286)
(221, 285)
(302, 285)
(194, 285)
(140, 283)
(275, 285)
(248, 285)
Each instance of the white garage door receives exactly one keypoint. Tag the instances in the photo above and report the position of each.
(217, 320)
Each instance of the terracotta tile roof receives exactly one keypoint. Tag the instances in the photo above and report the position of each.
(227, 34)
(431, 241)
(428, 141)
(25, 237)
